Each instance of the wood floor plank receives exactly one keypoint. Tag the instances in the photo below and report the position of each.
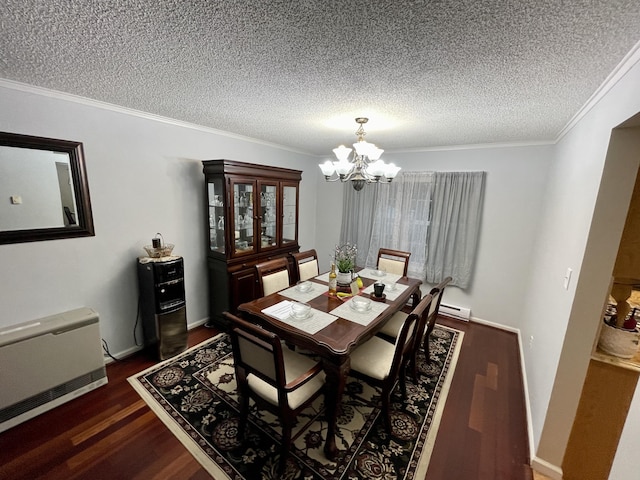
(116, 417)
(118, 439)
(476, 414)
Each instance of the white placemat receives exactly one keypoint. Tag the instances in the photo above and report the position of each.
(323, 278)
(345, 311)
(304, 297)
(390, 294)
(385, 277)
(312, 324)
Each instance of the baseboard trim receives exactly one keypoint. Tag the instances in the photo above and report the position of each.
(545, 468)
(494, 325)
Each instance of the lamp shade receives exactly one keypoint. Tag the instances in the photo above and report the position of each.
(343, 167)
(391, 171)
(342, 153)
(327, 168)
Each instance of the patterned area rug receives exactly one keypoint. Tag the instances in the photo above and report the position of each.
(194, 394)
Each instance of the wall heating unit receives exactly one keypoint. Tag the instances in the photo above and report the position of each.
(460, 313)
(47, 362)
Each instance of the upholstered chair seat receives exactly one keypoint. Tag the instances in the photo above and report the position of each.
(294, 366)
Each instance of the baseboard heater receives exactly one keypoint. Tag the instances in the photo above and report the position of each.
(47, 362)
(461, 313)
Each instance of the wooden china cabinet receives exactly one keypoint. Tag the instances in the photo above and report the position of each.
(252, 216)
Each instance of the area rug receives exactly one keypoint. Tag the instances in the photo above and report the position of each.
(194, 394)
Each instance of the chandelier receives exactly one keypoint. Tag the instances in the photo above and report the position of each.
(364, 167)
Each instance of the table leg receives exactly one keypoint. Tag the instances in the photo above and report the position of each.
(336, 379)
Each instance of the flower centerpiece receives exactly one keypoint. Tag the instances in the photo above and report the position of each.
(345, 260)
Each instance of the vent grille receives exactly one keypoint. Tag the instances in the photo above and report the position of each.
(54, 393)
(461, 313)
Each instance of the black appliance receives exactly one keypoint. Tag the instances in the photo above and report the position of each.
(162, 305)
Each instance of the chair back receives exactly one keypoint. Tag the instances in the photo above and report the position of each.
(257, 351)
(273, 275)
(436, 292)
(306, 264)
(407, 337)
(393, 261)
(279, 380)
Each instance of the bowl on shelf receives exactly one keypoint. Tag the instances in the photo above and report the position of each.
(157, 252)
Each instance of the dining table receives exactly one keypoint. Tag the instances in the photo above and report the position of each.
(333, 328)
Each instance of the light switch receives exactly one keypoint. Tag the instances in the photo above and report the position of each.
(16, 199)
(567, 278)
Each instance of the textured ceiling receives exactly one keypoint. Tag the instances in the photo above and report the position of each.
(297, 73)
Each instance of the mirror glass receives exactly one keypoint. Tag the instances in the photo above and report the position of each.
(44, 194)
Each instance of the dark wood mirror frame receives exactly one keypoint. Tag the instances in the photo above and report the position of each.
(84, 218)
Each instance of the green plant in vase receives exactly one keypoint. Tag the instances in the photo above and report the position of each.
(345, 260)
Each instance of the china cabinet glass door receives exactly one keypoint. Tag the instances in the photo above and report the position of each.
(289, 214)
(243, 218)
(215, 200)
(268, 215)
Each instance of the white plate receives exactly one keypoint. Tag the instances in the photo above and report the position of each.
(308, 315)
(378, 273)
(365, 310)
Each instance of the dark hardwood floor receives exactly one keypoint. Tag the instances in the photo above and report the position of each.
(110, 433)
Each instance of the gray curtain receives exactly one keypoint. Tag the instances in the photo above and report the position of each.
(433, 215)
(401, 219)
(455, 224)
(357, 218)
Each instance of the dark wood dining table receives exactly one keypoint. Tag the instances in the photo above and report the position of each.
(334, 343)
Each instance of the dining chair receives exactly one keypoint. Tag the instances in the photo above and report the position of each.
(306, 264)
(273, 275)
(393, 261)
(384, 364)
(432, 317)
(425, 327)
(278, 380)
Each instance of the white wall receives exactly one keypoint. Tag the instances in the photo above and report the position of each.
(586, 205)
(145, 176)
(626, 463)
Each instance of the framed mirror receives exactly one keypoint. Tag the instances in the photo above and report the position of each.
(44, 193)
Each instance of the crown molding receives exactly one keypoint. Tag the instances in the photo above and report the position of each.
(45, 92)
(626, 64)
